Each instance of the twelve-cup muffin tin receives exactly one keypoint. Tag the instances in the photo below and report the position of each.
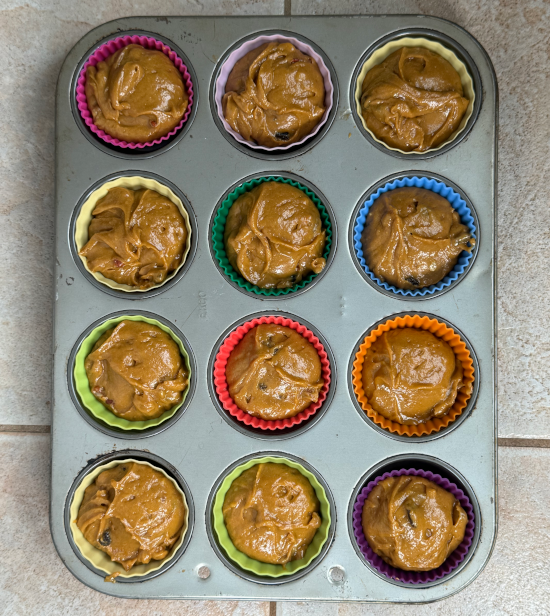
(201, 443)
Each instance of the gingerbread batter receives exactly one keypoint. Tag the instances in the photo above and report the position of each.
(271, 513)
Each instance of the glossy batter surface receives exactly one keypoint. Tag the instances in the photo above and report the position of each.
(412, 523)
(271, 513)
(136, 237)
(133, 513)
(274, 372)
(413, 100)
(413, 237)
(274, 236)
(410, 376)
(136, 94)
(136, 371)
(274, 95)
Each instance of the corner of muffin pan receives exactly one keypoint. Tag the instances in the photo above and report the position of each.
(114, 431)
(266, 153)
(420, 462)
(430, 175)
(277, 434)
(462, 55)
(220, 551)
(155, 290)
(411, 440)
(138, 152)
(141, 456)
(330, 213)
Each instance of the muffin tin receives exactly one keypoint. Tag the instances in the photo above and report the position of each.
(201, 443)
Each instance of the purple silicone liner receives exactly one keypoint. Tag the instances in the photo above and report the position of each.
(241, 51)
(414, 577)
(108, 49)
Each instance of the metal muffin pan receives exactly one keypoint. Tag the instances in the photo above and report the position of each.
(343, 448)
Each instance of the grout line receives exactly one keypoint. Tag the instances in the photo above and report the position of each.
(32, 429)
(542, 443)
(273, 604)
(287, 11)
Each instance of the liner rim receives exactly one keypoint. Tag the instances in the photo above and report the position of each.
(458, 203)
(414, 577)
(217, 243)
(220, 383)
(149, 42)
(464, 395)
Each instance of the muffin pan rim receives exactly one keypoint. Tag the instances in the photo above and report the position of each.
(111, 430)
(124, 152)
(154, 460)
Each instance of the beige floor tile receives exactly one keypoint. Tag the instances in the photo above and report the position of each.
(33, 580)
(515, 582)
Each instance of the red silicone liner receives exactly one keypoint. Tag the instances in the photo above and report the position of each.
(108, 49)
(220, 381)
(414, 577)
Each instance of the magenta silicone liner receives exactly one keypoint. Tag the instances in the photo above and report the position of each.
(241, 51)
(414, 577)
(108, 49)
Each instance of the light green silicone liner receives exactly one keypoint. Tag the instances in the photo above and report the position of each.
(218, 228)
(82, 385)
(255, 566)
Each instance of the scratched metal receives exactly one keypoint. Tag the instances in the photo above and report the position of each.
(340, 446)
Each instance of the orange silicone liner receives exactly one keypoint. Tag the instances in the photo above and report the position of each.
(220, 381)
(441, 330)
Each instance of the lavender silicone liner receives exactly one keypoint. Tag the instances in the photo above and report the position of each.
(242, 51)
(414, 577)
(456, 201)
(108, 49)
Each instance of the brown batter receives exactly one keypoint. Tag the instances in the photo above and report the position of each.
(271, 513)
(412, 523)
(136, 237)
(275, 95)
(410, 376)
(413, 237)
(133, 513)
(413, 100)
(136, 95)
(274, 372)
(136, 371)
(274, 236)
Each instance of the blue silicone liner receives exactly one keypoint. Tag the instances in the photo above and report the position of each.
(456, 201)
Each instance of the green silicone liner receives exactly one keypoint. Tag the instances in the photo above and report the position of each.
(218, 228)
(255, 566)
(82, 385)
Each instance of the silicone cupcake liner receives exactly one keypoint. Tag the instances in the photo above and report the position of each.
(255, 566)
(456, 201)
(241, 51)
(414, 577)
(100, 560)
(380, 54)
(220, 381)
(93, 405)
(108, 49)
(441, 330)
(218, 229)
(85, 217)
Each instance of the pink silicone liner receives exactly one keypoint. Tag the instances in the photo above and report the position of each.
(220, 381)
(414, 577)
(241, 51)
(108, 49)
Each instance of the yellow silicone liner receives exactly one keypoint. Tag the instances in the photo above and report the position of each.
(383, 52)
(85, 217)
(82, 385)
(100, 560)
(255, 566)
(441, 330)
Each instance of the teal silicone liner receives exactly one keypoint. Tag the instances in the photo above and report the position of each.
(218, 228)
